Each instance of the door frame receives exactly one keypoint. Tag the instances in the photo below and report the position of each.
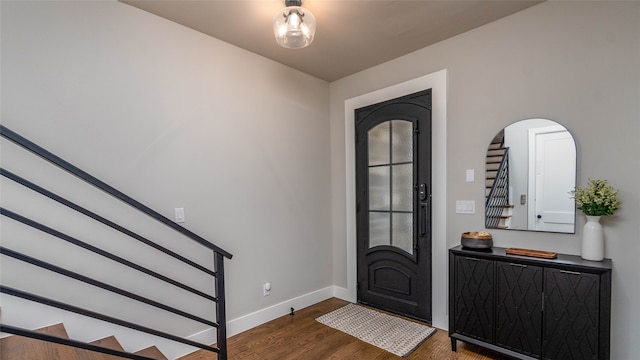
(438, 83)
(409, 264)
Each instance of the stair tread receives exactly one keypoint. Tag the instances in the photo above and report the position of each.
(94, 355)
(16, 347)
(152, 352)
(19, 347)
(108, 342)
(56, 330)
(496, 152)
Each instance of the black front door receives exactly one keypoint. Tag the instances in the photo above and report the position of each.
(393, 194)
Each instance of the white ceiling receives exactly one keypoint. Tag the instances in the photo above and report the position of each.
(351, 35)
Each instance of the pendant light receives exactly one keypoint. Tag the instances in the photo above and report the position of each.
(294, 26)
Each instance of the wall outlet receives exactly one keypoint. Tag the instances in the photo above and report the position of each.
(266, 289)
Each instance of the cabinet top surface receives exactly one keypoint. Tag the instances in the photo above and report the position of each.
(562, 259)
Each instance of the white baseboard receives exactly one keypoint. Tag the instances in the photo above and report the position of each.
(249, 321)
(259, 317)
(345, 294)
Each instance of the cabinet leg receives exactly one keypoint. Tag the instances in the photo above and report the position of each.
(454, 344)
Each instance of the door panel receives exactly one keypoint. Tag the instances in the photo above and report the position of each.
(571, 315)
(474, 304)
(519, 308)
(552, 172)
(385, 276)
(393, 186)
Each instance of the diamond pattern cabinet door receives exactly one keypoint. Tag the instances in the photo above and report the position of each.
(519, 308)
(571, 315)
(474, 298)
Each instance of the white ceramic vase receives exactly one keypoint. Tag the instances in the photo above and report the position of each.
(592, 239)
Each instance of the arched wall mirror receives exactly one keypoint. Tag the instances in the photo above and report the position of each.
(530, 171)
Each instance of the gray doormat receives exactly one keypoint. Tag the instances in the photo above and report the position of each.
(390, 333)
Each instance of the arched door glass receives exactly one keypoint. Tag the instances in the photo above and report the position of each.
(391, 192)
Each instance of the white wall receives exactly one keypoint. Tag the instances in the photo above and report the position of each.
(175, 118)
(573, 62)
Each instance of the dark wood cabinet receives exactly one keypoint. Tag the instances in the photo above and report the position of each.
(572, 314)
(519, 307)
(474, 310)
(530, 308)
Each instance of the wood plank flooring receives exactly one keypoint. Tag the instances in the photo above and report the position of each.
(300, 337)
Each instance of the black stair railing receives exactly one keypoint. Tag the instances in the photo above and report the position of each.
(217, 273)
(498, 197)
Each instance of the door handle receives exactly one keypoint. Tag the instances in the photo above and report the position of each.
(570, 272)
(423, 219)
(422, 192)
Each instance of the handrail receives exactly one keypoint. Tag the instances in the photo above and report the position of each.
(217, 273)
(499, 194)
(68, 167)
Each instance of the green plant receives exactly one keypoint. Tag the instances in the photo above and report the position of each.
(598, 199)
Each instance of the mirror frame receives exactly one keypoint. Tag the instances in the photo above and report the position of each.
(505, 210)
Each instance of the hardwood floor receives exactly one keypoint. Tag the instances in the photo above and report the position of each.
(300, 337)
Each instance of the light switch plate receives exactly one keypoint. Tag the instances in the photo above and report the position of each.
(471, 176)
(465, 207)
(179, 215)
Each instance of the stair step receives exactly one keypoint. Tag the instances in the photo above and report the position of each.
(152, 352)
(493, 166)
(16, 347)
(94, 355)
(497, 152)
(494, 159)
(108, 342)
(19, 347)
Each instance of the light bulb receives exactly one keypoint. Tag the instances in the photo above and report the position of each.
(294, 27)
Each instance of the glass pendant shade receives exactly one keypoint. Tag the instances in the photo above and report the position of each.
(294, 27)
